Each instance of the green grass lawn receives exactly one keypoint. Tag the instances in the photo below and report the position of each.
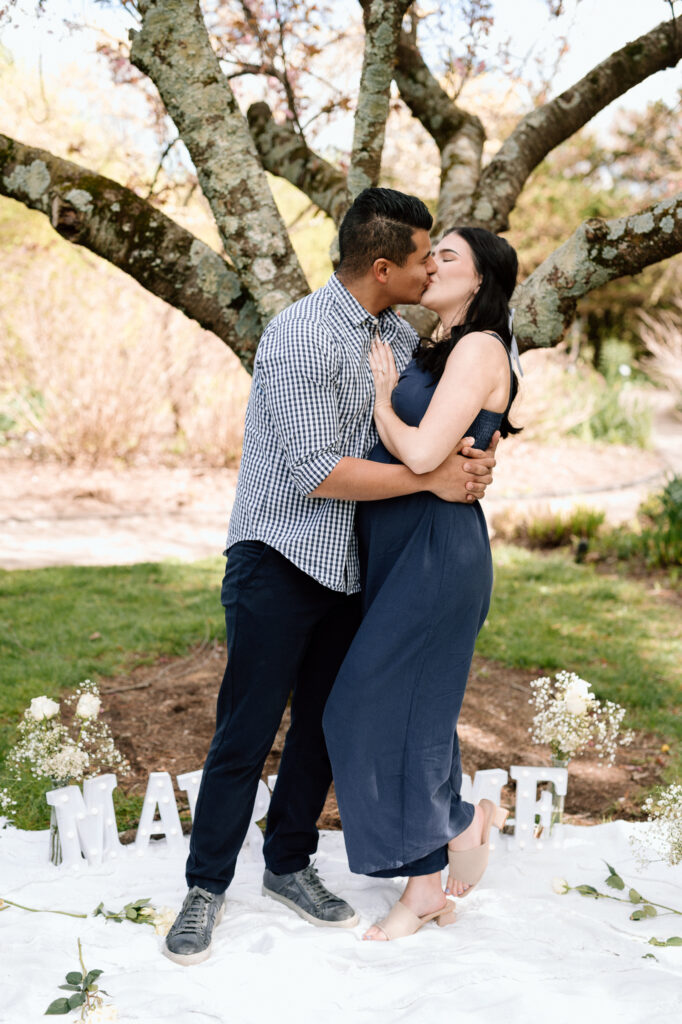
(47, 617)
(622, 635)
(547, 613)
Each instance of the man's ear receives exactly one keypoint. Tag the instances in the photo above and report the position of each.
(381, 270)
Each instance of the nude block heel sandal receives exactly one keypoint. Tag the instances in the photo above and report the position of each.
(401, 921)
(469, 866)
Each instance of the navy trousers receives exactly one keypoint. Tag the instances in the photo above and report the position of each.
(286, 634)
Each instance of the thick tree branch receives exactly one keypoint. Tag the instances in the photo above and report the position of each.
(383, 19)
(458, 134)
(460, 168)
(596, 253)
(173, 48)
(111, 221)
(424, 95)
(545, 128)
(285, 152)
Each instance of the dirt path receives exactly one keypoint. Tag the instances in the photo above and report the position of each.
(56, 515)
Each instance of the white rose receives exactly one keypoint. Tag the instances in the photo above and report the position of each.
(577, 697)
(560, 886)
(88, 706)
(163, 920)
(43, 708)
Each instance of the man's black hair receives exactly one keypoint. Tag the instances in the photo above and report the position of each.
(379, 225)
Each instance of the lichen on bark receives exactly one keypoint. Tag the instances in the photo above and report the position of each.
(173, 48)
(597, 252)
(383, 21)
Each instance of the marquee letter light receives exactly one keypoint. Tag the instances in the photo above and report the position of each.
(190, 782)
(527, 804)
(86, 821)
(160, 794)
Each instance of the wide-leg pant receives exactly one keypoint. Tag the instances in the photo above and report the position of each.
(286, 633)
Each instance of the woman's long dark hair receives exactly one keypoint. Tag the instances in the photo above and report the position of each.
(497, 264)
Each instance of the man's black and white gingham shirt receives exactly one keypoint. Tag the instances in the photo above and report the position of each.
(310, 405)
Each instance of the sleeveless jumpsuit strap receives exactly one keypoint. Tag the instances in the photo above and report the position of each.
(511, 370)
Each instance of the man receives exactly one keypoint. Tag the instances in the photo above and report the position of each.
(291, 587)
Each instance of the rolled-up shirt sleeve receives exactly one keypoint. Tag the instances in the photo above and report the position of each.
(297, 369)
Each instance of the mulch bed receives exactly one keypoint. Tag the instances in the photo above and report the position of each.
(163, 717)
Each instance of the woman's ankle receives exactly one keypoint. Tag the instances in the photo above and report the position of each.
(424, 893)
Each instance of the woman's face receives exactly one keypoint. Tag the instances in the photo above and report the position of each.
(455, 281)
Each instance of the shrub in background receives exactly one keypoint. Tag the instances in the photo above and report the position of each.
(661, 536)
(553, 529)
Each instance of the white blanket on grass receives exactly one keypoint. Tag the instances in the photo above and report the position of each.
(518, 953)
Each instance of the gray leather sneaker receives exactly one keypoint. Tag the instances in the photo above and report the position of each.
(189, 940)
(304, 892)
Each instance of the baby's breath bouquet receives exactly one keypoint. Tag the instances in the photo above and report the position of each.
(60, 744)
(663, 839)
(569, 718)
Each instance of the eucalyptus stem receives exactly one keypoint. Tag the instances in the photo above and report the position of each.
(595, 894)
(86, 1006)
(663, 907)
(39, 910)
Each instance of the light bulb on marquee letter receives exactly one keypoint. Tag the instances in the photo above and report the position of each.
(160, 786)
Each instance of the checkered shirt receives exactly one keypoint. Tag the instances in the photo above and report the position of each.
(311, 404)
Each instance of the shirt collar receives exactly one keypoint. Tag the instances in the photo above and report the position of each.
(355, 313)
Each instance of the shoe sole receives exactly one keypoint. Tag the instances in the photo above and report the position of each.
(187, 959)
(349, 923)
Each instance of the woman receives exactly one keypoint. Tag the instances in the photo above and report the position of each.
(391, 719)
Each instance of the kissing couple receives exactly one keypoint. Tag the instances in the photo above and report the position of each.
(359, 575)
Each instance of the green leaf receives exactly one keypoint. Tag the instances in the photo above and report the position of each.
(74, 977)
(587, 890)
(646, 911)
(614, 881)
(76, 1000)
(70, 988)
(98, 910)
(635, 897)
(131, 914)
(650, 956)
(90, 977)
(58, 1006)
(674, 940)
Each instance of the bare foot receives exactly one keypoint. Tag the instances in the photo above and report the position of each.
(469, 839)
(423, 895)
